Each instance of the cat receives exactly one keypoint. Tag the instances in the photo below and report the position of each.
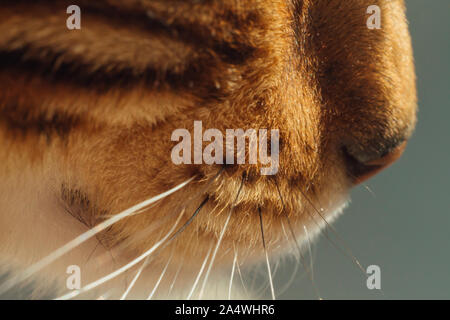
(87, 115)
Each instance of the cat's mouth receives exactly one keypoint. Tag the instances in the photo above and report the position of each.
(238, 214)
(236, 207)
(279, 221)
(290, 214)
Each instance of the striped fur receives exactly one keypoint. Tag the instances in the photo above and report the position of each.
(86, 118)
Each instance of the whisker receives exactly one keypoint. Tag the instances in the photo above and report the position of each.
(224, 228)
(213, 257)
(232, 275)
(264, 286)
(370, 190)
(296, 242)
(241, 277)
(114, 274)
(187, 223)
(353, 176)
(92, 252)
(144, 233)
(159, 280)
(162, 243)
(136, 277)
(301, 259)
(84, 237)
(297, 257)
(272, 290)
(253, 283)
(291, 279)
(346, 247)
(197, 279)
(347, 252)
(309, 251)
(174, 279)
(104, 296)
(297, 265)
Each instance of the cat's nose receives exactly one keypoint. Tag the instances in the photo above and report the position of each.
(361, 169)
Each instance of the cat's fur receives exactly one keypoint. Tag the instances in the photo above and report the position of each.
(86, 118)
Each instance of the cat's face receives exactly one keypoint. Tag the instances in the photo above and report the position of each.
(91, 120)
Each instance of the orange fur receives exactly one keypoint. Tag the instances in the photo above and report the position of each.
(94, 109)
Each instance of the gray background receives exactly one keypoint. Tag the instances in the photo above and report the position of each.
(405, 228)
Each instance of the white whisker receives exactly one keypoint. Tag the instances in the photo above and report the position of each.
(199, 275)
(214, 255)
(301, 258)
(84, 237)
(295, 240)
(124, 268)
(310, 252)
(174, 279)
(290, 281)
(242, 278)
(295, 252)
(264, 287)
(224, 228)
(297, 265)
(138, 274)
(104, 296)
(269, 271)
(159, 280)
(346, 249)
(232, 275)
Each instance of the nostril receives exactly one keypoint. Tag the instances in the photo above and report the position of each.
(361, 171)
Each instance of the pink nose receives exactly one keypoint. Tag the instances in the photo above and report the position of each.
(369, 169)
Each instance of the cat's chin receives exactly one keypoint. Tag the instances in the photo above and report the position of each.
(287, 223)
(53, 228)
(301, 233)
